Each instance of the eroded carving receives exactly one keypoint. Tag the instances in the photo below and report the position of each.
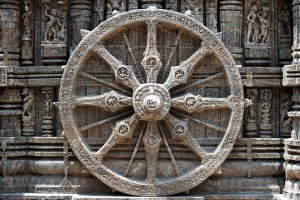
(28, 116)
(258, 20)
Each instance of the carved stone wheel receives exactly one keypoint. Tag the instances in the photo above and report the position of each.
(152, 73)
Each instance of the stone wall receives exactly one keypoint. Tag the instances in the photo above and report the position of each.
(38, 38)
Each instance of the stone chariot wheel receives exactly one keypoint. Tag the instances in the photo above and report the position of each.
(141, 96)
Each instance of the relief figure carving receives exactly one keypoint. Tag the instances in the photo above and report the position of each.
(285, 19)
(27, 21)
(55, 30)
(212, 15)
(258, 23)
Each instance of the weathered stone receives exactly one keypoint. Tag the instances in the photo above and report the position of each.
(99, 99)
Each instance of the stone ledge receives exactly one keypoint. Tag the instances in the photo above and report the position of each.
(25, 196)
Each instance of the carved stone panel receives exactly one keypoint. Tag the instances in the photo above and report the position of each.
(132, 112)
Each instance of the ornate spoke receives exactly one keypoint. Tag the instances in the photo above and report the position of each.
(88, 76)
(99, 123)
(180, 74)
(123, 129)
(110, 101)
(179, 130)
(152, 141)
(192, 103)
(198, 83)
(123, 73)
(203, 123)
(151, 61)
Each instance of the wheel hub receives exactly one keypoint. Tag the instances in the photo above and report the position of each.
(151, 102)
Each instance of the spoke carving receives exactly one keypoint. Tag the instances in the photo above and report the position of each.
(151, 62)
(198, 83)
(152, 141)
(123, 129)
(173, 49)
(203, 123)
(173, 160)
(88, 76)
(123, 73)
(110, 101)
(180, 74)
(192, 103)
(134, 152)
(133, 57)
(99, 123)
(179, 130)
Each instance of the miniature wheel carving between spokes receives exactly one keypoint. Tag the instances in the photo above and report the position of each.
(155, 115)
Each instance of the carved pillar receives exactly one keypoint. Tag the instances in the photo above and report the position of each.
(231, 27)
(9, 27)
(80, 17)
(292, 78)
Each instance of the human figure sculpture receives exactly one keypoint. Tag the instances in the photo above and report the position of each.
(285, 18)
(252, 24)
(252, 108)
(212, 15)
(28, 102)
(48, 104)
(26, 20)
(194, 5)
(53, 20)
(265, 25)
(99, 11)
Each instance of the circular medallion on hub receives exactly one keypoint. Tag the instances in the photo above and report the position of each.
(151, 102)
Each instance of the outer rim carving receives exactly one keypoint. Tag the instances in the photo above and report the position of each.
(82, 151)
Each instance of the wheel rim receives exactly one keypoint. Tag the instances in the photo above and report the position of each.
(151, 102)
